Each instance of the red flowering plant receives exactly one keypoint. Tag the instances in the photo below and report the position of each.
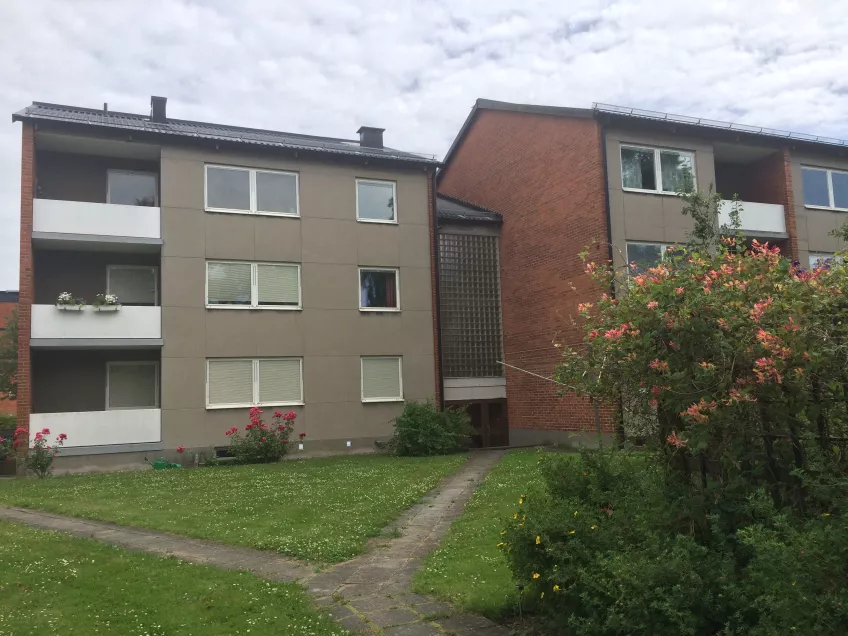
(260, 442)
(5, 449)
(733, 360)
(40, 457)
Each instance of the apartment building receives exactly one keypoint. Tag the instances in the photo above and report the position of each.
(251, 268)
(564, 179)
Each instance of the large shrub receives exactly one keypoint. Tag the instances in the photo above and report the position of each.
(422, 430)
(261, 443)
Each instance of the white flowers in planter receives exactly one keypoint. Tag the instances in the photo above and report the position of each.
(66, 302)
(106, 302)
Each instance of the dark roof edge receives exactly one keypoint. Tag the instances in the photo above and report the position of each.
(492, 104)
(473, 206)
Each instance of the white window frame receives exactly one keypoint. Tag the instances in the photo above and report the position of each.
(396, 271)
(143, 172)
(829, 172)
(255, 382)
(155, 269)
(657, 168)
(362, 379)
(832, 256)
(394, 198)
(116, 363)
(253, 198)
(254, 287)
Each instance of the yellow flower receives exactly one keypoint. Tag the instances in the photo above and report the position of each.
(521, 524)
(572, 532)
(515, 516)
(536, 575)
(520, 501)
(827, 514)
(576, 514)
(594, 527)
(556, 588)
(503, 533)
(500, 544)
(524, 517)
(543, 595)
(538, 540)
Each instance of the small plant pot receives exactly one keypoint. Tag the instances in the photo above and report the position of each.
(70, 307)
(107, 307)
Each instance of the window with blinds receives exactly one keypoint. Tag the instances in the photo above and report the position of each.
(382, 379)
(237, 382)
(248, 191)
(252, 285)
(132, 284)
(132, 385)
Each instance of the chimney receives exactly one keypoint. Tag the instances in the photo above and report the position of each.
(157, 109)
(371, 137)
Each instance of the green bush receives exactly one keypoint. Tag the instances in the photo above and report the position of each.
(601, 550)
(423, 430)
(8, 421)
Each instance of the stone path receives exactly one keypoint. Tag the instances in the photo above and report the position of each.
(369, 594)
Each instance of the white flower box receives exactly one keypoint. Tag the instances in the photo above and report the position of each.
(70, 307)
(107, 307)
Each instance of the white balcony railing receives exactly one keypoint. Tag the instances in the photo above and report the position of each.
(49, 323)
(764, 218)
(76, 218)
(100, 428)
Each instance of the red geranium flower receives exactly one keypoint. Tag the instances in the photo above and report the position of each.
(301, 435)
(263, 439)
(62, 436)
(180, 449)
(277, 414)
(45, 431)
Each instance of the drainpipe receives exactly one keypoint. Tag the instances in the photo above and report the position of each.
(437, 279)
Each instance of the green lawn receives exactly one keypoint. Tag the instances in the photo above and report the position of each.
(55, 584)
(467, 569)
(322, 510)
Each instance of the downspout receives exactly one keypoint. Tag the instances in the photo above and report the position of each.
(437, 283)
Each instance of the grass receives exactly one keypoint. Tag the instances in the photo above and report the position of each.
(467, 569)
(321, 510)
(54, 584)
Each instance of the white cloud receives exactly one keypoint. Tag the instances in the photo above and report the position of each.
(415, 68)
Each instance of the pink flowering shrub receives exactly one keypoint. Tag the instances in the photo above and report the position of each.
(40, 457)
(261, 443)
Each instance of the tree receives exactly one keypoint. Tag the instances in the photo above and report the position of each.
(9, 358)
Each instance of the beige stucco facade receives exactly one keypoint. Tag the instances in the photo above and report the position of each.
(329, 333)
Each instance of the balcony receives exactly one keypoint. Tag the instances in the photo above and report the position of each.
(116, 427)
(56, 221)
(130, 326)
(764, 220)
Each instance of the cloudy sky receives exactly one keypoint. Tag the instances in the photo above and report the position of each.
(415, 68)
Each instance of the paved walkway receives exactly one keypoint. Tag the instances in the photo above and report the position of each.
(369, 594)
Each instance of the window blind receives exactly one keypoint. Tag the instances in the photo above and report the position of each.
(132, 386)
(228, 283)
(280, 381)
(133, 285)
(230, 382)
(381, 378)
(278, 284)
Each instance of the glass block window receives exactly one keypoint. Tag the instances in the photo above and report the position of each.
(470, 306)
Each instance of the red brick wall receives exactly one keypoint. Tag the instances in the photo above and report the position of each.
(545, 175)
(770, 181)
(25, 293)
(6, 309)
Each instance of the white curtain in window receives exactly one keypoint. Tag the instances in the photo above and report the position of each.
(230, 382)
(228, 283)
(674, 167)
(278, 284)
(381, 378)
(279, 381)
(132, 386)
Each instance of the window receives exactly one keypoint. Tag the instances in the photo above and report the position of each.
(825, 188)
(252, 285)
(655, 170)
(382, 379)
(132, 385)
(248, 191)
(132, 284)
(376, 201)
(822, 259)
(646, 255)
(240, 382)
(379, 290)
(131, 188)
